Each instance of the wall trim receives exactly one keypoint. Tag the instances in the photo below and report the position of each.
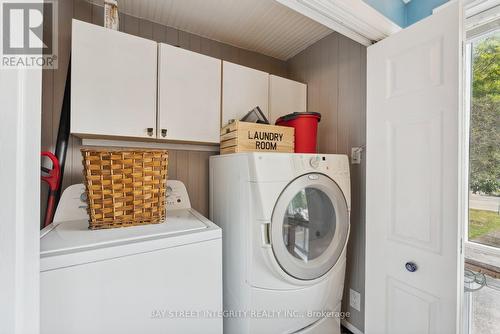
(483, 20)
(350, 327)
(352, 18)
(475, 7)
(20, 99)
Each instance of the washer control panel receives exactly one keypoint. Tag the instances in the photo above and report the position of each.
(177, 195)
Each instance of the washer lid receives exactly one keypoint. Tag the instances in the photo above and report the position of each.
(71, 242)
(309, 226)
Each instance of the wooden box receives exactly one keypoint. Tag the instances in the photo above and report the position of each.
(253, 137)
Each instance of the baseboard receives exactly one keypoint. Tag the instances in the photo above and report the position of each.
(350, 327)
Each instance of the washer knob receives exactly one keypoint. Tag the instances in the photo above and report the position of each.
(314, 162)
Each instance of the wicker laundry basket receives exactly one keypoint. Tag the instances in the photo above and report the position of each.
(125, 187)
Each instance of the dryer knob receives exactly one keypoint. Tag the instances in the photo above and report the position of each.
(314, 162)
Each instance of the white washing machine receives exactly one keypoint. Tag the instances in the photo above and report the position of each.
(161, 278)
(285, 223)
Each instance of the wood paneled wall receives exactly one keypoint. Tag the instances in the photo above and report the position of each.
(191, 167)
(334, 69)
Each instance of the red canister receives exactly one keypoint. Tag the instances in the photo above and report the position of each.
(306, 129)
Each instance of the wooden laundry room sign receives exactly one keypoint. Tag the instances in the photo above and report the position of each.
(253, 137)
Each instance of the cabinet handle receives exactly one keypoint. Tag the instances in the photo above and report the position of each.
(163, 132)
(150, 131)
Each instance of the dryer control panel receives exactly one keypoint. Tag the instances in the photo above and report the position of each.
(177, 196)
(322, 163)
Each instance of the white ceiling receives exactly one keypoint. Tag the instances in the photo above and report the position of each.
(264, 26)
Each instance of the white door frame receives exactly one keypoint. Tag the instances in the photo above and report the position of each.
(478, 13)
(20, 125)
(480, 18)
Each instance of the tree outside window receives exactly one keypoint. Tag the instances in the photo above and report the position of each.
(484, 219)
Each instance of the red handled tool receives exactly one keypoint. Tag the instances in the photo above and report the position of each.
(53, 179)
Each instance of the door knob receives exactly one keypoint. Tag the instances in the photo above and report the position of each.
(163, 132)
(411, 267)
(150, 131)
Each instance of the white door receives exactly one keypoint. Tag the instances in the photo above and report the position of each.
(285, 97)
(113, 83)
(413, 229)
(243, 89)
(189, 89)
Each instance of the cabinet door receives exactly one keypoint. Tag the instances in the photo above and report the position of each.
(189, 95)
(285, 97)
(243, 89)
(113, 82)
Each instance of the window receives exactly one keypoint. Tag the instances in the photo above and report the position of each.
(484, 141)
(482, 247)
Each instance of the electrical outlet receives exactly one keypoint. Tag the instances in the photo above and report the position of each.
(355, 299)
(356, 155)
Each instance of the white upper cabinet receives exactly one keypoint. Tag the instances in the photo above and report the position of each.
(243, 89)
(113, 82)
(131, 87)
(189, 90)
(285, 97)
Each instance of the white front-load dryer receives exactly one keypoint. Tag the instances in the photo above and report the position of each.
(285, 223)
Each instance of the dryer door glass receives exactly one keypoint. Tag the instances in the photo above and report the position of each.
(310, 225)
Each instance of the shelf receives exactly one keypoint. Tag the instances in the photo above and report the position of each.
(151, 144)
